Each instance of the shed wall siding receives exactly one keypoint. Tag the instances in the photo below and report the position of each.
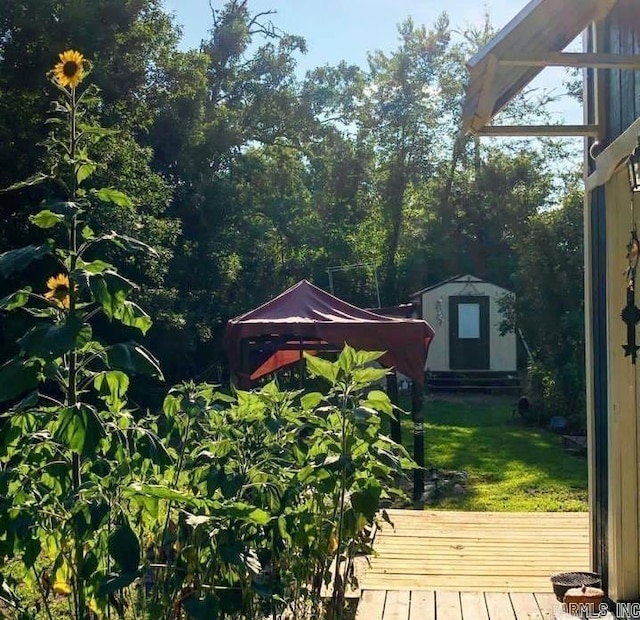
(435, 310)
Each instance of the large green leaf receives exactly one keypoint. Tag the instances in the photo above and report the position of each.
(132, 357)
(311, 400)
(124, 547)
(35, 179)
(116, 581)
(367, 500)
(50, 341)
(17, 377)
(46, 219)
(132, 315)
(107, 194)
(367, 376)
(321, 368)
(377, 399)
(84, 170)
(17, 260)
(166, 493)
(248, 513)
(347, 358)
(96, 266)
(79, 428)
(15, 300)
(366, 357)
(127, 243)
(109, 289)
(112, 385)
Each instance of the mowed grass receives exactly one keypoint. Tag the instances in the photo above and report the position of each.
(510, 467)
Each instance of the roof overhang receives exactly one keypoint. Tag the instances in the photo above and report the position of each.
(532, 40)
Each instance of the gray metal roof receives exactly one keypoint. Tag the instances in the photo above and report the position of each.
(541, 26)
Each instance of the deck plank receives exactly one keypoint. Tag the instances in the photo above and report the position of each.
(499, 606)
(397, 604)
(448, 606)
(371, 605)
(548, 604)
(525, 606)
(423, 606)
(473, 606)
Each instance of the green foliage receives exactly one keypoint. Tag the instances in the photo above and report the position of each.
(549, 308)
(267, 489)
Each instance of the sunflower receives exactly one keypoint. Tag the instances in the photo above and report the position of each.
(58, 290)
(70, 70)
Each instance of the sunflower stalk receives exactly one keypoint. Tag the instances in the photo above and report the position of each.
(69, 454)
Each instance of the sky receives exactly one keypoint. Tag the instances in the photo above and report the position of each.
(338, 30)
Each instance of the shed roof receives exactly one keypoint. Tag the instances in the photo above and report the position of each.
(462, 279)
(541, 26)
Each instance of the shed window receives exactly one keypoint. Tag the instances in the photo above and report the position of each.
(469, 321)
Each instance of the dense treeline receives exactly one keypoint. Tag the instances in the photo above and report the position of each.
(247, 177)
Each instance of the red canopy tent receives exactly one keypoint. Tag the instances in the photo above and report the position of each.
(304, 317)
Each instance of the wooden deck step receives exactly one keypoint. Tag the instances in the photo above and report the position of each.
(456, 605)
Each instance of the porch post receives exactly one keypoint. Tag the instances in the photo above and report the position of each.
(392, 392)
(418, 439)
(596, 339)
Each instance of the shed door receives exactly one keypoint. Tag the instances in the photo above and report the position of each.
(469, 333)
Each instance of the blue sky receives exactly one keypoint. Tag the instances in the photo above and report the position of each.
(338, 30)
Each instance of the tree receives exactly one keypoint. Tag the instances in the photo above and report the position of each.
(401, 109)
(549, 308)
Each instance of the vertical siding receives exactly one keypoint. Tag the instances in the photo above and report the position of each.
(623, 85)
(623, 431)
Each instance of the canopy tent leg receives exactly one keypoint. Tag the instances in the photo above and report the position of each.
(418, 439)
(392, 391)
(245, 361)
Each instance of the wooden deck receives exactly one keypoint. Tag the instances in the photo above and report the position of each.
(440, 565)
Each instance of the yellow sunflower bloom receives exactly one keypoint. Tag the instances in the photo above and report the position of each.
(70, 70)
(62, 588)
(58, 290)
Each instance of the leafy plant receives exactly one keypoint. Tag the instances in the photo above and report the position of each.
(272, 495)
(67, 441)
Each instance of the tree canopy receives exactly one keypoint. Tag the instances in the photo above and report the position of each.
(246, 176)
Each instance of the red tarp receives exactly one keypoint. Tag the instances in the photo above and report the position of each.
(305, 312)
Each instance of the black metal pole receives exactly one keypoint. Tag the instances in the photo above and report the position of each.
(418, 439)
(392, 391)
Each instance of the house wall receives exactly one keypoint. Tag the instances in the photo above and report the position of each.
(623, 428)
(621, 36)
(435, 310)
(613, 101)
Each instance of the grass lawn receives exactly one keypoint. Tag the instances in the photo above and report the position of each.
(510, 467)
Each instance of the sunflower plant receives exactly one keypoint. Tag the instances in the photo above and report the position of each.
(68, 442)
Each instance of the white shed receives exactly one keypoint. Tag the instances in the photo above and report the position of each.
(465, 315)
